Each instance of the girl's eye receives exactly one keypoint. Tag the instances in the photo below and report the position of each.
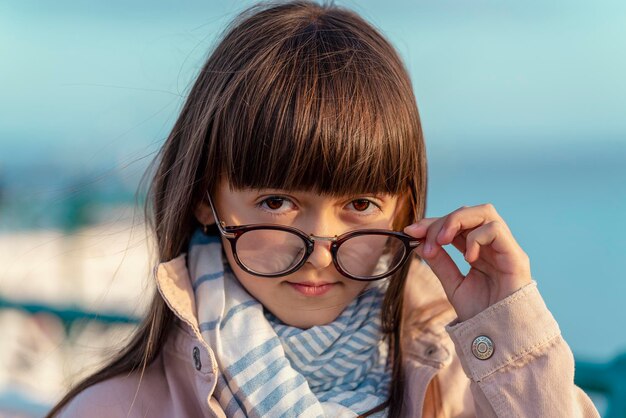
(361, 204)
(274, 204)
(365, 206)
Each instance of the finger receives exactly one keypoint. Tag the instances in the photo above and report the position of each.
(460, 241)
(431, 247)
(494, 234)
(463, 219)
(428, 228)
(444, 268)
(443, 230)
(418, 229)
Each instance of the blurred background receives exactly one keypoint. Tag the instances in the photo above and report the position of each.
(523, 105)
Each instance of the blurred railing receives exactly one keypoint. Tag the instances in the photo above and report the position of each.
(607, 379)
(15, 402)
(69, 315)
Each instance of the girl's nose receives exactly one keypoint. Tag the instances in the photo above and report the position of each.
(321, 256)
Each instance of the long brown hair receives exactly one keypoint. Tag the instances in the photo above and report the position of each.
(297, 96)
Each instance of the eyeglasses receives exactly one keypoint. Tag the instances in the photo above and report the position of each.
(270, 250)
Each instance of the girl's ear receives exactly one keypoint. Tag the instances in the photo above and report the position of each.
(203, 214)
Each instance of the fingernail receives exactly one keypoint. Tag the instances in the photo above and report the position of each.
(428, 248)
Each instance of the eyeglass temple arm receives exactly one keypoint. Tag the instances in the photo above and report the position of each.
(218, 222)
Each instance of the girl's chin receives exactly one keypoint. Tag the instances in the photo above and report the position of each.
(307, 318)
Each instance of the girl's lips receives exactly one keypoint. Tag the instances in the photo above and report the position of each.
(311, 289)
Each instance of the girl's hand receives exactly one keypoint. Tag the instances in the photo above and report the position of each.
(499, 266)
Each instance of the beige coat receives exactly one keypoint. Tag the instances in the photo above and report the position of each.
(529, 374)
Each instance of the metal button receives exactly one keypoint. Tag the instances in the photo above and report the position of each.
(482, 347)
(196, 358)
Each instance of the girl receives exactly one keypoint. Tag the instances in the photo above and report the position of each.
(286, 286)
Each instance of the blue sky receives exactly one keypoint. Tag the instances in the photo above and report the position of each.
(87, 82)
(523, 105)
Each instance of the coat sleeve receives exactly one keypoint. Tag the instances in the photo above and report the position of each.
(530, 372)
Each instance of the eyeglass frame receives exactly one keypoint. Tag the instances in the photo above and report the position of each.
(233, 232)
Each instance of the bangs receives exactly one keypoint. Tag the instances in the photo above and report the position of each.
(320, 111)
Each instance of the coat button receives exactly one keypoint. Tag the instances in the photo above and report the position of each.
(482, 347)
(196, 358)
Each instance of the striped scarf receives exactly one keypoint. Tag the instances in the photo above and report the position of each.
(270, 369)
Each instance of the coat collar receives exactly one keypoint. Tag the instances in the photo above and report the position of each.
(174, 284)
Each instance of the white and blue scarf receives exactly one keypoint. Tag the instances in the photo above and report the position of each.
(270, 369)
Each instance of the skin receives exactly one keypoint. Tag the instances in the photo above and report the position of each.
(499, 266)
(312, 213)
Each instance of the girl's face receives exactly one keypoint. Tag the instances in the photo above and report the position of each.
(316, 293)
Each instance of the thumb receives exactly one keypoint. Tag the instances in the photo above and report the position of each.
(444, 268)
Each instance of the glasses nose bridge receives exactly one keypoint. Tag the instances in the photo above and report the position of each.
(314, 237)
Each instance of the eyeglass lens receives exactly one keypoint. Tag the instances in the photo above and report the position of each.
(269, 251)
(272, 251)
(370, 255)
